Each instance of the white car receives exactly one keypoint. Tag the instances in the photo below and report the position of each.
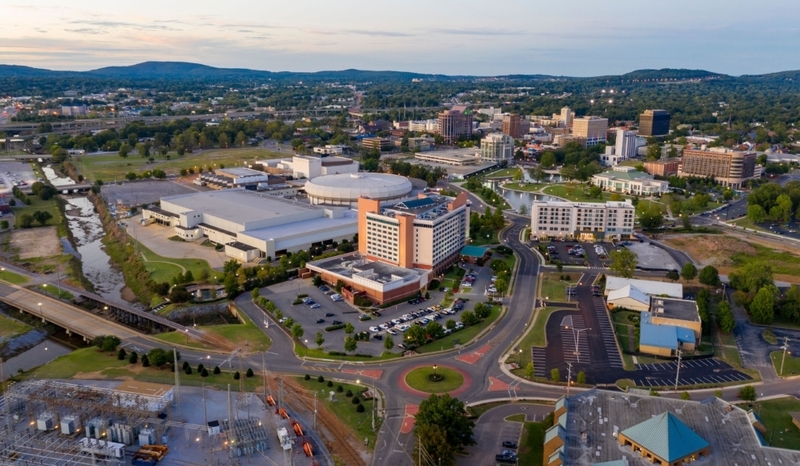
(391, 332)
(408, 317)
(384, 326)
(403, 327)
(374, 329)
(397, 321)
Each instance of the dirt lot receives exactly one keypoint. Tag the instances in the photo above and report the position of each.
(36, 242)
(713, 250)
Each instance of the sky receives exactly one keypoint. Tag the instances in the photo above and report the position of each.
(486, 38)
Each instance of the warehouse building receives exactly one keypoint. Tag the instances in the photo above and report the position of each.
(250, 224)
(304, 166)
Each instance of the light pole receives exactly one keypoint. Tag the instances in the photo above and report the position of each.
(40, 312)
(784, 348)
(434, 371)
(4, 272)
(576, 335)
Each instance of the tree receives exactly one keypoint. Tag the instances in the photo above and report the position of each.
(241, 139)
(348, 328)
(25, 220)
(529, 370)
(747, 393)
(124, 150)
(725, 318)
(673, 275)
(297, 331)
(388, 343)
(237, 375)
(709, 276)
(548, 160)
(216, 370)
(652, 218)
(317, 280)
(110, 343)
(188, 370)
(130, 176)
(435, 330)
(555, 375)
(686, 221)
(249, 372)
(623, 263)
(416, 335)
(762, 309)
(756, 213)
(686, 396)
(752, 277)
(204, 372)
(469, 318)
(447, 413)
(133, 358)
(319, 339)
(350, 344)
(482, 310)
(689, 271)
(653, 152)
(595, 192)
(121, 354)
(432, 439)
(145, 361)
(518, 175)
(581, 378)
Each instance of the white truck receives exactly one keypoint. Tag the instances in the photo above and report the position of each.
(284, 439)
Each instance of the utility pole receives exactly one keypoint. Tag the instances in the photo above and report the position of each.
(678, 373)
(784, 348)
(177, 380)
(205, 411)
(264, 375)
(315, 410)
(569, 377)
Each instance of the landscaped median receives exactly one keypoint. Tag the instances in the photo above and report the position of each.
(789, 363)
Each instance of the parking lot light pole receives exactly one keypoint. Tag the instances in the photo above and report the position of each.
(577, 334)
(784, 348)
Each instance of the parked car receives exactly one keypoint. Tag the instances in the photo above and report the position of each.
(315, 306)
(374, 329)
(336, 322)
(320, 321)
(510, 444)
(329, 314)
(377, 336)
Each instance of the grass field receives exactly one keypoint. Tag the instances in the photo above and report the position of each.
(644, 205)
(418, 380)
(321, 354)
(791, 365)
(359, 423)
(247, 333)
(106, 366)
(37, 204)
(781, 432)
(531, 448)
(460, 337)
(110, 167)
(178, 338)
(523, 186)
(15, 278)
(745, 222)
(552, 287)
(163, 269)
(11, 327)
(55, 292)
(536, 337)
(504, 173)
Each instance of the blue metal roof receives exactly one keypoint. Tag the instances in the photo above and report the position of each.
(666, 436)
(415, 203)
(661, 336)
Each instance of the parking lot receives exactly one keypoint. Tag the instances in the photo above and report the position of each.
(130, 193)
(693, 372)
(580, 254)
(324, 312)
(13, 173)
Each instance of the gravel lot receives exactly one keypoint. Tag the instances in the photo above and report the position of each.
(141, 192)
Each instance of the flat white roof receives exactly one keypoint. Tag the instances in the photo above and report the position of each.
(279, 232)
(652, 288)
(237, 205)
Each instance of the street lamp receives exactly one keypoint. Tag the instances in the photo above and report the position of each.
(576, 335)
(434, 370)
(4, 272)
(40, 312)
(785, 347)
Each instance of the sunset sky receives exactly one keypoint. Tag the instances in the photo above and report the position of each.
(576, 38)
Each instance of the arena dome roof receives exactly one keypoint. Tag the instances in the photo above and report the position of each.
(346, 188)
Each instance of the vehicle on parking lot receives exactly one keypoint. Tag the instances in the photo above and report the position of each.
(384, 326)
(337, 322)
(320, 321)
(403, 327)
(329, 314)
(401, 346)
(509, 444)
(315, 306)
(376, 313)
(424, 321)
(363, 317)
(391, 332)
(374, 329)
(377, 336)
(459, 325)
(323, 288)
(397, 321)
(336, 297)
(505, 459)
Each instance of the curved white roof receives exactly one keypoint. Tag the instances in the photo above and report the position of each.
(351, 186)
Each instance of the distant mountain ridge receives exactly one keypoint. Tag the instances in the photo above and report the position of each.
(167, 70)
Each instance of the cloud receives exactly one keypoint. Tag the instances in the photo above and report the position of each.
(87, 31)
(122, 24)
(474, 32)
(364, 32)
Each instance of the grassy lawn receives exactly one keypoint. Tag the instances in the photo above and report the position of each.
(322, 354)
(527, 187)
(531, 448)
(745, 222)
(178, 338)
(779, 261)
(360, 424)
(460, 337)
(536, 337)
(15, 278)
(644, 205)
(577, 193)
(504, 173)
(781, 432)
(37, 204)
(248, 332)
(419, 379)
(163, 269)
(452, 279)
(11, 327)
(55, 292)
(107, 366)
(552, 287)
(791, 365)
(113, 167)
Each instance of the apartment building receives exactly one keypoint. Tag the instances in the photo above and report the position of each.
(425, 232)
(586, 221)
(515, 126)
(455, 123)
(497, 147)
(729, 167)
(590, 129)
(626, 144)
(654, 123)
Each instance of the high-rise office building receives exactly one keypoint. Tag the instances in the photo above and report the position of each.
(497, 147)
(729, 167)
(567, 116)
(513, 126)
(590, 129)
(626, 144)
(654, 123)
(455, 123)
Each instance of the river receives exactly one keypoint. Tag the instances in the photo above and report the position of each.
(96, 264)
(40, 354)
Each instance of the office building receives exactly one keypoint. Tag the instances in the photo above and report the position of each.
(328, 149)
(252, 225)
(729, 167)
(425, 232)
(515, 126)
(566, 117)
(662, 168)
(586, 221)
(497, 148)
(381, 144)
(455, 123)
(671, 325)
(628, 180)
(455, 157)
(591, 130)
(654, 123)
(626, 144)
(424, 126)
(74, 110)
(599, 427)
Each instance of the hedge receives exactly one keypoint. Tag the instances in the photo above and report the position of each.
(331, 328)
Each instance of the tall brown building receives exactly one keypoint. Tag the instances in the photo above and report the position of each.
(455, 123)
(654, 123)
(513, 126)
(729, 167)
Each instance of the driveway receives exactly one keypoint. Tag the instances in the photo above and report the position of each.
(156, 238)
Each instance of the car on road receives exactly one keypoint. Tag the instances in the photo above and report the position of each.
(320, 321)
(509, 444)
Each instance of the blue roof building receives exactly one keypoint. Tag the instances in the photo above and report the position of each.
(665, 440)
